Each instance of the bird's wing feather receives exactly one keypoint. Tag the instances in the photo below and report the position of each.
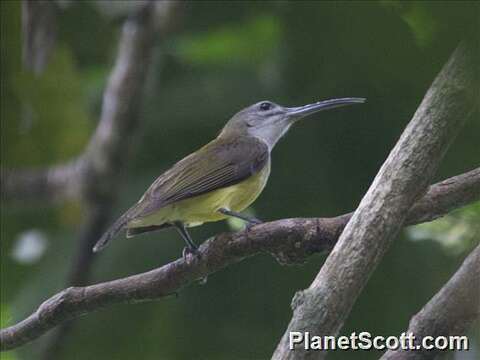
(227, 163)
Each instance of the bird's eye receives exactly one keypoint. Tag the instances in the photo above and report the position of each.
(265, 106)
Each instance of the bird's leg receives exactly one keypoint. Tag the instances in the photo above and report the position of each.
(191, 247)
(250, 220)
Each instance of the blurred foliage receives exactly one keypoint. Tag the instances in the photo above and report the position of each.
(417, 15)
(36, 131)
(6, 319)
(64, 126)
(457, 232)
(232, 45)
(222, 58)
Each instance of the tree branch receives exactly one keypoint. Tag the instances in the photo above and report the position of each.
(90, 174)
(323, 308)
(97, 180)
(51, 184)
(450, 312)
(290, 241)
(96, 219)
(39, 33)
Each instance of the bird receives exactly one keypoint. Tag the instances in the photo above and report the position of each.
(219, 180)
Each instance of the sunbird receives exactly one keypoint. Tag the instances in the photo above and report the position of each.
(219, 180)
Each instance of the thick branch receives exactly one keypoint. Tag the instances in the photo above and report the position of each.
(450, 312)
(323, 308)
(289, 241)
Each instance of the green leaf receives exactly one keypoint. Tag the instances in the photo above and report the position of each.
(47, 115)
(232, 45)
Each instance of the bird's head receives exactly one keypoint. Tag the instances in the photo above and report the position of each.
(269, 121)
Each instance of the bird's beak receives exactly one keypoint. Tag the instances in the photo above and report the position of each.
(299, 112)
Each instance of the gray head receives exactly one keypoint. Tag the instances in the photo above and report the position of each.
(269, 121)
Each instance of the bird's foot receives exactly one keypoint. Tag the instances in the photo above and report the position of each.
(252, 222)
(189, 252)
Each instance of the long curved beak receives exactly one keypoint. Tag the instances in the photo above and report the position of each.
(302, 111)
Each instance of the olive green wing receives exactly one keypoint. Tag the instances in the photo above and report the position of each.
(219, 164)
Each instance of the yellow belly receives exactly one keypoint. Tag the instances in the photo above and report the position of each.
(204, 208)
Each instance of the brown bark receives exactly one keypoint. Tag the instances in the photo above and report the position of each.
(323, 308)
(290, 241)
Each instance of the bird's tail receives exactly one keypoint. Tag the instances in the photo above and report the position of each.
(117, 226)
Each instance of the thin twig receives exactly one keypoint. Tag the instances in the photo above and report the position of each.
(45, 184)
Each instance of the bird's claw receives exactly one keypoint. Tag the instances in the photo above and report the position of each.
(187, 253)
(190, 251)
(252, 222)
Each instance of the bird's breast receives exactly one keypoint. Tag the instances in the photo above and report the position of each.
(204, 208)
(241, 195)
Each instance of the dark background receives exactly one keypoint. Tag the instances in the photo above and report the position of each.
(223, 57)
